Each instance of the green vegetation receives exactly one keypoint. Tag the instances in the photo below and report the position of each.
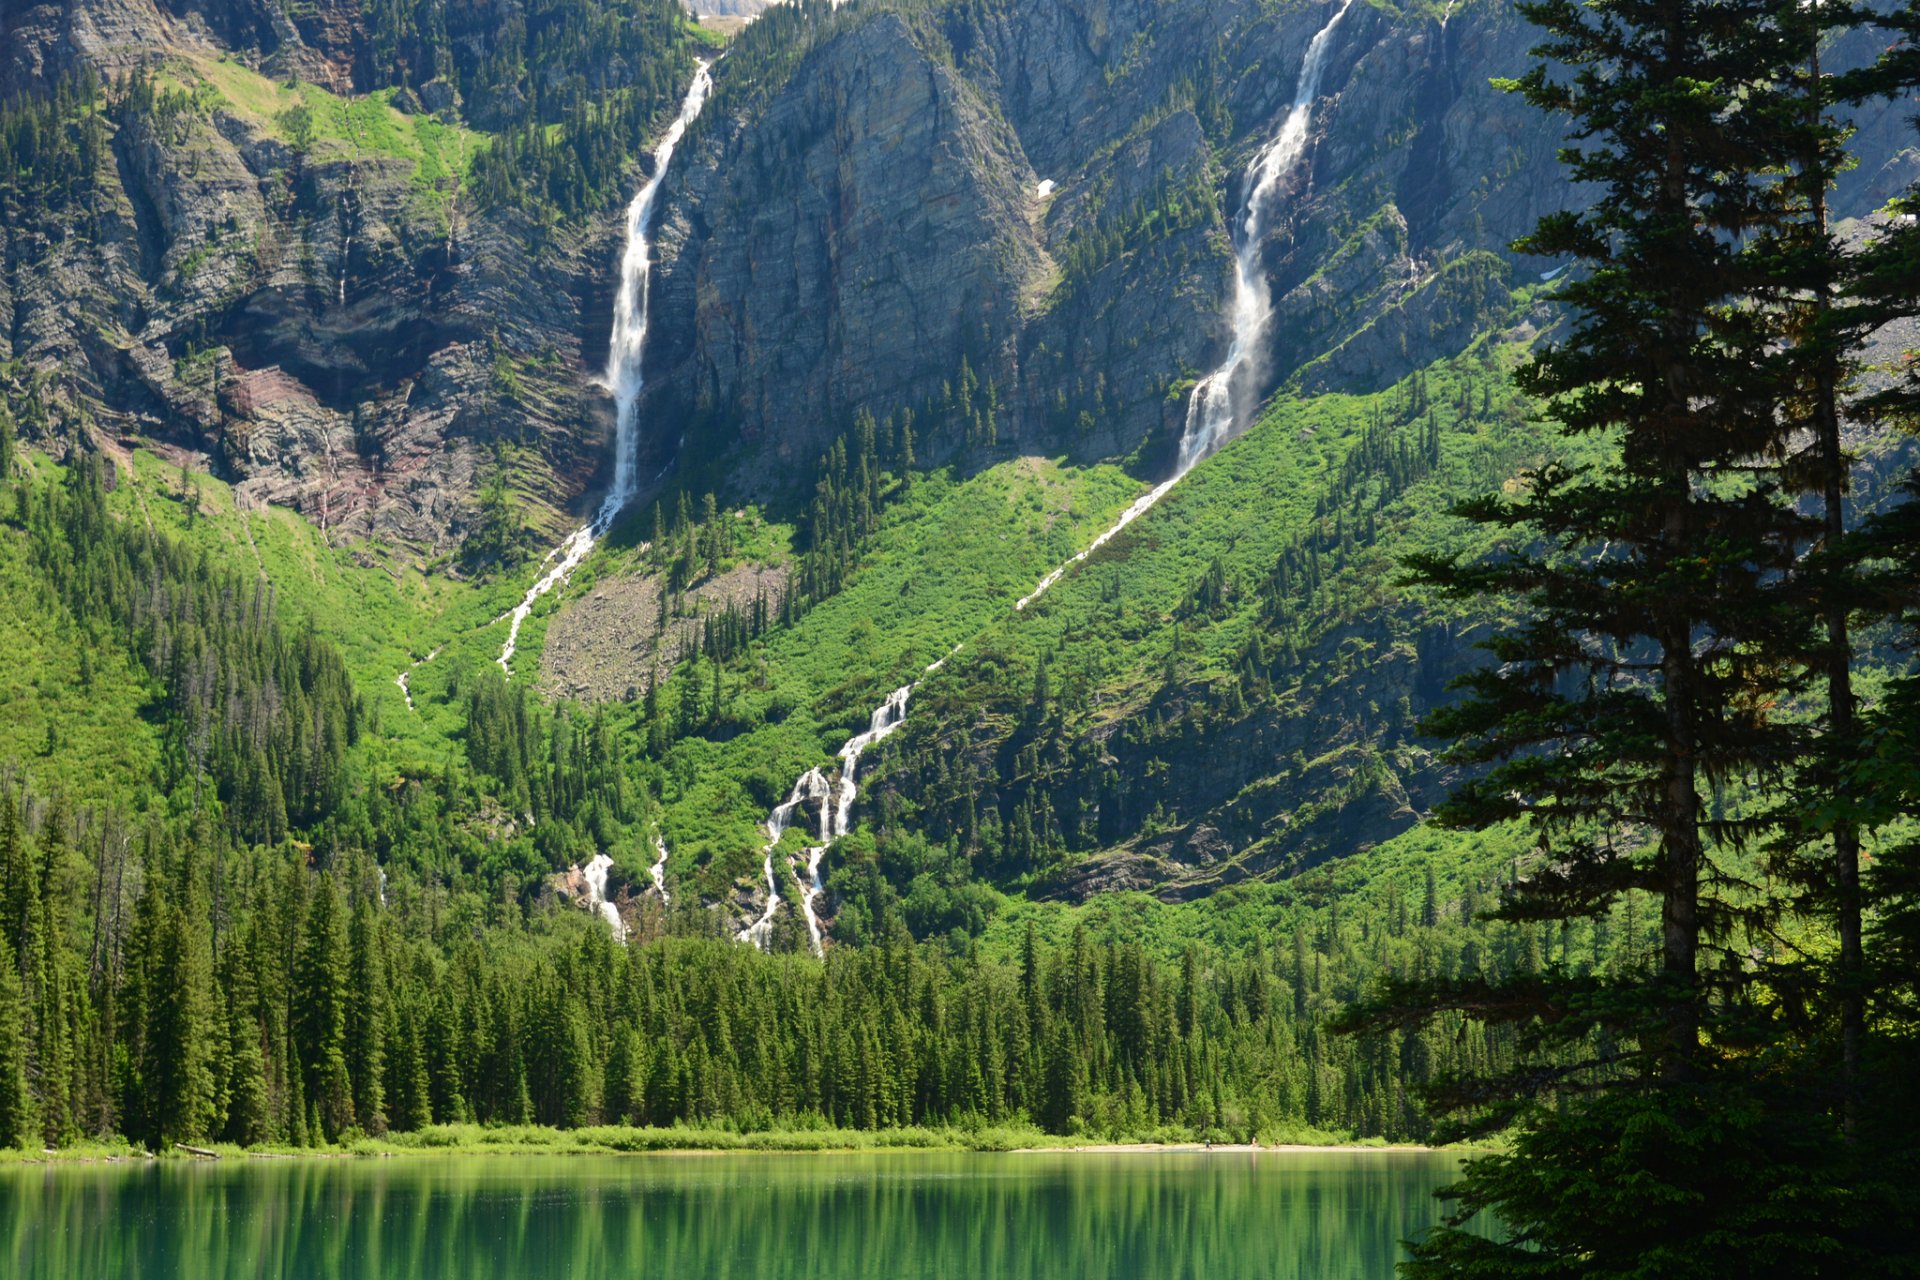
(1675, 713)
(1198, 632)
(461, 990)
(608, 75)
(50, 151)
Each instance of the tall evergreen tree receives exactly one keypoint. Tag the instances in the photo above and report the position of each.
(16, 1104)
(248, 1117)
(321, 993)
(1658, 595)
(174, 1085)
(367, 1017)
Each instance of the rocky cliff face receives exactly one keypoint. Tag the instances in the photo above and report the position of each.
(1038, 193)
(845, 243)
(882, 217)
(805, 247)
(327, 322)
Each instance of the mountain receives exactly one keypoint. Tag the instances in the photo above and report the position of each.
(926, 639)
(323, 260)
(278, 254)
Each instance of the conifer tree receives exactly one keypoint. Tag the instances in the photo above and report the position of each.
(321, 994)
(1658, 595)
(367, 1018)
(16, 1109)
(248, 1118)
(175, 1085)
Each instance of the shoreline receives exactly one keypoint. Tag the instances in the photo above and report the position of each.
(669, 1142)
(1240, 1148)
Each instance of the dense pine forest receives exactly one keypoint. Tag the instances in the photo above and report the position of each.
(272, 945)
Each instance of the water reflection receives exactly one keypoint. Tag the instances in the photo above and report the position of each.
(769, 1217)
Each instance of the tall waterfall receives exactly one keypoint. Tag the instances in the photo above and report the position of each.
(623, 377)
(1224, 400)
(1221, 406)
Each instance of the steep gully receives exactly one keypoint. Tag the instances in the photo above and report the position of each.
(1221, 408)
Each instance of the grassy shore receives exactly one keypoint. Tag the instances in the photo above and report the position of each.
(473, 1139)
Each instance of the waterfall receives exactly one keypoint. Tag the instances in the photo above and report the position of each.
(659, 869)
(1214, 416)
(595, 874)
(623, 377)
(812, 785)
(1223, 401)
(886, 717)
(405, 678)
(836, 819)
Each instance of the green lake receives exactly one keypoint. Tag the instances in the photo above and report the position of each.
(1317, 1216)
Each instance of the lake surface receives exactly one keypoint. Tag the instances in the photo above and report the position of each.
(1318, 1216)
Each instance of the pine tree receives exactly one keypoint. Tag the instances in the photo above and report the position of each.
(1883, 769)
(320, 995)
(16, 1105)
(1658, 591)
(175, 1086)
(367, 1018)
(248, 1117)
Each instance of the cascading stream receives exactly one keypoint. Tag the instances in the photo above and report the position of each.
(812, 785)
(624, 375)
(659, 869)
(595, 874)
(405, 678)
(625, 348)
(1220, 409)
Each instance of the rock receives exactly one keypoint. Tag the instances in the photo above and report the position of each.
(316, 329)
(841, 249)
(438, 95)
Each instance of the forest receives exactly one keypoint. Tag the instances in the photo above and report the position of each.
(267, 944)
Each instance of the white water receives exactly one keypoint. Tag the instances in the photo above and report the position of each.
(1223, 402)
(405, 678)
(1214, 416)
(836, 800)
(659, 869)
(623, 376)
(886, 717)
(811, 786)
(595, 874)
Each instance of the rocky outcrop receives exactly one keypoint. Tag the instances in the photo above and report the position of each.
(841, 249)
(41, 42)
(326, 328)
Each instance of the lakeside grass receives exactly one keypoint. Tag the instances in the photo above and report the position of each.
(485, 1140)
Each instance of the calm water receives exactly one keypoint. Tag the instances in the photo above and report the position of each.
(1317, 1216)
